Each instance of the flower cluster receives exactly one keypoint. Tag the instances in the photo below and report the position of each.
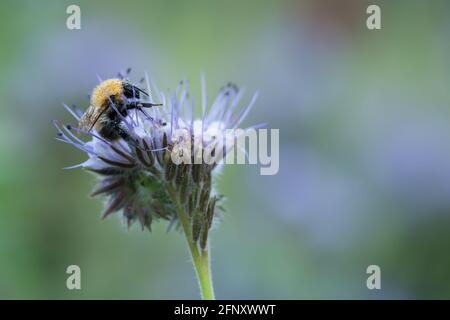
(142, 177)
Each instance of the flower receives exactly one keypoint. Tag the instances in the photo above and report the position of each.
(159, 171)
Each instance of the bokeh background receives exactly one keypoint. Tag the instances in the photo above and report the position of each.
(364, 158)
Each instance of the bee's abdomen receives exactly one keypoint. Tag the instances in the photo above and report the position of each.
(107, 128)
(111, 129)
(109, 132)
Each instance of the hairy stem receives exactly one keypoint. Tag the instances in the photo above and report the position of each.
(200, 258)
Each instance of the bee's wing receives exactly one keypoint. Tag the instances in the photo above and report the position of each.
(89, 118)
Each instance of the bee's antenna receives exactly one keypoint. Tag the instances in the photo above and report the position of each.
(141, 91)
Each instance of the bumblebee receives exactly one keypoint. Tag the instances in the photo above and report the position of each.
(109, 98)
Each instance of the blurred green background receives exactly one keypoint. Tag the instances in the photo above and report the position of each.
(364, 159)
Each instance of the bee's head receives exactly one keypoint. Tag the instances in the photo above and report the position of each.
(132, 92)
(133, 96)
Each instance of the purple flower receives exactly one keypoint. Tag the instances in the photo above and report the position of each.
(140, 177)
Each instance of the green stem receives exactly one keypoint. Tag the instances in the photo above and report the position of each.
(200, 258)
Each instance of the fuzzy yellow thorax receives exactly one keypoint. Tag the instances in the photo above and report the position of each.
(106, 89)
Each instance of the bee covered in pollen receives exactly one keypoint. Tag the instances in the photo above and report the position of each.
(109, 104)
